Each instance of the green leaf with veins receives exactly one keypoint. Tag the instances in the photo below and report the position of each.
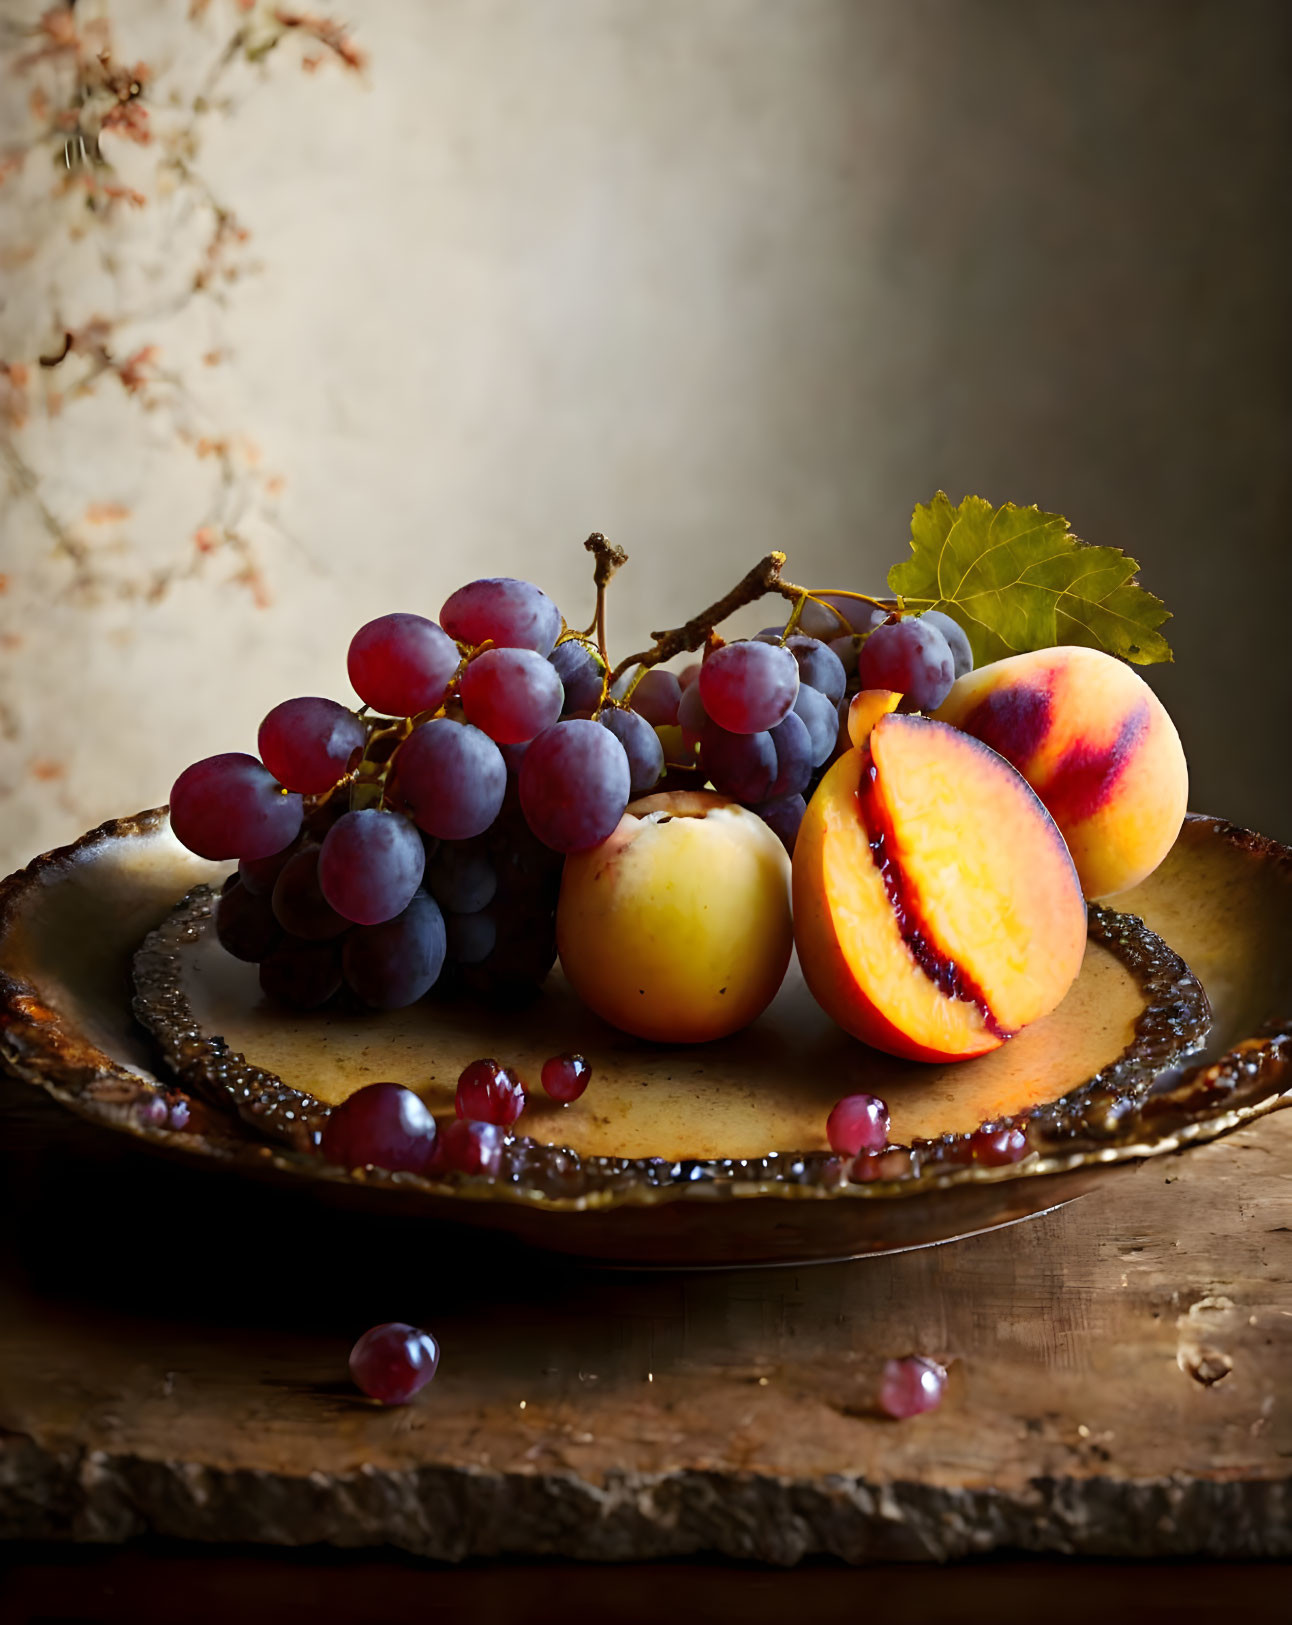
(1018, 579)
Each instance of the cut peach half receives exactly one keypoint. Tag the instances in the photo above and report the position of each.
(936, 908)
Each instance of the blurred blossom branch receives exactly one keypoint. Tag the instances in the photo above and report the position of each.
(126, 255)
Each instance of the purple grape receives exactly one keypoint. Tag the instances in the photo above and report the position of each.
(565, 1077)
(913, 659)
(821, 719)
(452, 777)
(641, 745)
(391, 1363)
(819, 666)
(382, 1125)
(911, 1386)
(461, 878)
(307, 744)
(303, 975)
(471, 937)
(657, 697)
(259, 875)
(489, 1093)
(794, 763)
(370, 864)
(232, 806)
(691, 715)
(688, 675)
(847, 650)
(748, 686)
(574, 785)
(393, 964)
(957, 640)
(299, 904)
(512, 694)
(501, 610)
(783, 816)
(742, 766)
(245, 924)
(401, 664)
(858, 1123)
(820, 620)
(861, 616)
(582, 672)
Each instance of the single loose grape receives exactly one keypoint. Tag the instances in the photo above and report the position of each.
(489, 1093)
(565, 1077)
(382, 1125)
(392, 1362)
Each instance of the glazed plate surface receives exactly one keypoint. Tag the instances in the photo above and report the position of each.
(709, 1154)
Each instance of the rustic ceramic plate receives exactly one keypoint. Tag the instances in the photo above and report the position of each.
(675, 1156)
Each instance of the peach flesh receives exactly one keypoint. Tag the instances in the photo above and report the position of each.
(936, 907)
(1097, 746)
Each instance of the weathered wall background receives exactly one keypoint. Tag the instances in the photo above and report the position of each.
(713, 276)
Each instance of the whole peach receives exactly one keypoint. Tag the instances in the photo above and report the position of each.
(1095, 743)
(677, 927)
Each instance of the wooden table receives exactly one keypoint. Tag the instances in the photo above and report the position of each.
(173, 1346)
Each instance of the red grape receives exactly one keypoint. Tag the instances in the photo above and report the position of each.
(469, 1147)
(501, 610)
(748, 686)
(565, 1077)
(512, 694)
(401, 664)
(382, 1125)
(489, 1093)
(858, 1123)
(452, 777)
(911, 1386)
(370, 864)
(574, 785)
(231, 806)
(993, 1148)
(391, 1363)
(308, 743)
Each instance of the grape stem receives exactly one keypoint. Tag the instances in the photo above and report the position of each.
(609, 558)
(764, 578)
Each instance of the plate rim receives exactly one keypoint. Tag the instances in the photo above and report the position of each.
(1206, 1101)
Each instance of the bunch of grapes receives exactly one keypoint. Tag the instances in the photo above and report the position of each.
(428, 830)
(425, 834)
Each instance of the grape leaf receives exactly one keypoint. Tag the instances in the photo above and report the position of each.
(1018, 579)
